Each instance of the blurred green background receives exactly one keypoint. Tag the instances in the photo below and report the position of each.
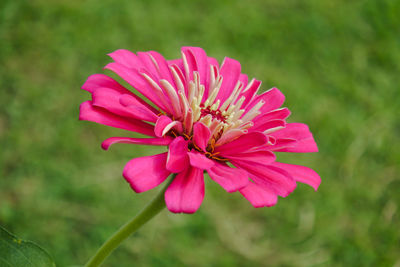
(338, 64)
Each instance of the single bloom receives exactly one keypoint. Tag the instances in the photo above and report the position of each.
(210, 117)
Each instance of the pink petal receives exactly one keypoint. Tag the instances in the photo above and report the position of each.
(126, 58)
(133, 100)
(198, 61)
(177, 62)
(100, 80)
(250, 91)
(243, 143)
(186, 192)
(243, 79)
(146, 173)
(176, 125)
(302, 146)
(150, 65)
(273, 99)
(200, 161)
(201, 135)
(90, 113)
(269, 125)
(280, 144)
(142, 113)
(162, 66)
(140, 141)
(260, 156)
(136, 80)
(301, 174)
(230, 71)
(259, 196)
(231, 179)
(212, 61)
(110, 100)
(304, 140)
(177, 155)
(268, 176)
(277, 114)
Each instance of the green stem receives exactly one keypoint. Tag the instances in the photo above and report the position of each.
(151, 210)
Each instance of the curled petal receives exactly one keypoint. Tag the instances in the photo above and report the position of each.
(186, 192)
(146, 173)
(231, 179)
(161, 123)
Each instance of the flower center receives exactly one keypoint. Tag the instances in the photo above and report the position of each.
(215, 114)
(226, 117)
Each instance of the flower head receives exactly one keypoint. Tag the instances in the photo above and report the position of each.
(210, 117)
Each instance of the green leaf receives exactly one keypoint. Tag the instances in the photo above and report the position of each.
(15, 252)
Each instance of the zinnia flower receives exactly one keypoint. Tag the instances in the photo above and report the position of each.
(211, 119)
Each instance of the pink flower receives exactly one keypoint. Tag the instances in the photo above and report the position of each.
(210, 117)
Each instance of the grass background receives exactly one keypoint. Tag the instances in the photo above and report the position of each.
(338, 64)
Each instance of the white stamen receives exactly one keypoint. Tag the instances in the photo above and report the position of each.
(217, 128)
(154, 62)
(271, 130)
(239, 104)
(230, 109)
(191, 92)
(215, 105)
(172, 96)
(246, 125)
(254, 111)
(214, 92)
(184, 103)
(238, 91)
(238, 114)
(177, 79)
(212, 77)
(159, 92)
(201, 93)
(206, 120)
(249, 85)
(185, 66)
(232, 97)
(188, 123)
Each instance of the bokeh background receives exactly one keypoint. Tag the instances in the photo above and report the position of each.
(338, 64)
